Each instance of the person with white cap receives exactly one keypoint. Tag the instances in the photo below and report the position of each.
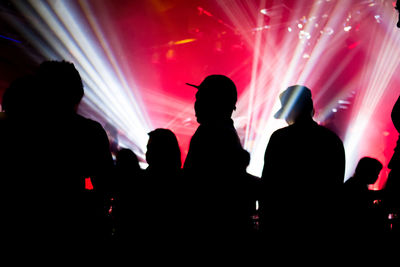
(303, 172)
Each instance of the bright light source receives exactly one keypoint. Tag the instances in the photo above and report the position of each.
(347, 28)
(264, 11)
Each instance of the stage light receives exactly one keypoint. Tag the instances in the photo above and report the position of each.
(316, 44)
(269, 79)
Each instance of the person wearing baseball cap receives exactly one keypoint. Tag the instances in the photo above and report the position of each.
(303, 172)
(215, 99)
(214, 163)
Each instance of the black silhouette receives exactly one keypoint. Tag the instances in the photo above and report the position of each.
(251, 191)
(397, 7)
(163, 180)
(303, 173)
(364, 216)
(20, 187)
(215, 163)
(54, 151)
(392, 187)
(163, 154)
(128, 194)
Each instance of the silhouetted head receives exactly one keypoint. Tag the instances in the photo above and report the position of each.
(126, 159)
(215, 99)
(296, 104)
(368, 170)
(163, 152)
(61, 85)
(18, 99)
(398, 10)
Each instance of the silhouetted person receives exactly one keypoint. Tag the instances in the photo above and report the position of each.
(19, 184)
(163, 180)
(303, 172)
(163, 154)
(251, 194)
(214, 163)
(363, 217)
(58, 149)
(79, 149)
(127, 166)
(392, 187)
(128, 195)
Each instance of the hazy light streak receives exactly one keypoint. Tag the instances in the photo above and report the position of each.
(273, 72)
(254, 75)
(66, 35)
(379, 75)
(280, 58)
(324, 42)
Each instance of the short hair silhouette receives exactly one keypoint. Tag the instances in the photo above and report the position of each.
(60, 82)
(126, 158)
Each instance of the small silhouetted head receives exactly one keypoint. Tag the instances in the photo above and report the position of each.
(126, 159)
(163, 152)
(216, 98)
(368, 170)
(296, 102)
(61, 85)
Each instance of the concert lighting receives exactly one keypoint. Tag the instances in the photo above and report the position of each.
(70, 36)
(136, 56)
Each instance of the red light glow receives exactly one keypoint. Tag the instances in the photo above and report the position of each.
(88, 184)
(136, 56)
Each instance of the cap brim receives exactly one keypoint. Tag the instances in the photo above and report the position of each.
(195, 86)
(278, 114)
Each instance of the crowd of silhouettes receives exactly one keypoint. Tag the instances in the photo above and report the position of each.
(49, 152)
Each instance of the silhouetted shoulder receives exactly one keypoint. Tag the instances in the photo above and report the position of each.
(89, 123)
(396, 115)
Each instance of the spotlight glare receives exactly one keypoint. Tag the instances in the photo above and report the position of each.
(347, 28)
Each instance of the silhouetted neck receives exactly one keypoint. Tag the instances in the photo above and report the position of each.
(218, 122)
(304, 120)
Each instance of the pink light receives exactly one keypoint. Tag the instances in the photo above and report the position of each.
(134, 36)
